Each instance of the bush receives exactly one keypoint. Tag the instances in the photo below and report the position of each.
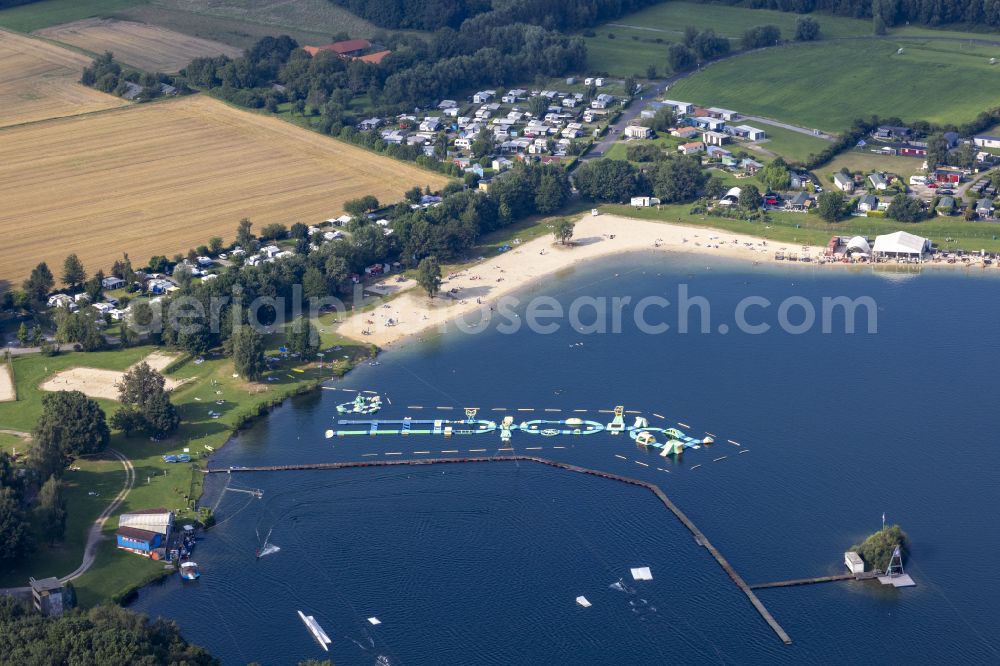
(878, 548)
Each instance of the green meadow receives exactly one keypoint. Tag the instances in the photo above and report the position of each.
(827, 85)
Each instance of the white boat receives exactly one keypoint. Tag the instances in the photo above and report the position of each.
(317, 631)
(189, 571)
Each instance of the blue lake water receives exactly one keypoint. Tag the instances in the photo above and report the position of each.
(481, 563)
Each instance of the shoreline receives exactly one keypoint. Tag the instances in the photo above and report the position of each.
(411, 313)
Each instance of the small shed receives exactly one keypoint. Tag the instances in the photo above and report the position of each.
(47, 596)
(854, 563)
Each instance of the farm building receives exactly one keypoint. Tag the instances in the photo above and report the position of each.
(638, 132)
(749, 133)
(714, 138)
(901, 244)
(724, 114)
(346, 49)
(843, 183)
(987, 141)
(680, 108)
(708, 123)
(374, 58)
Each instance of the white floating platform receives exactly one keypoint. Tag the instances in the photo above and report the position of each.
(642, 573)
(374, 620)
(583, 601)
(901, 580)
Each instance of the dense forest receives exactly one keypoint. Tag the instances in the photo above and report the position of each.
(106, 635)
(417, 73)
(891, 12)
(434, 14)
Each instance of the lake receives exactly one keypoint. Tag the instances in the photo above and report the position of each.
(481, 563)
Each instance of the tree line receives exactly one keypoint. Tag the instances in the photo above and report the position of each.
(107, 75)
(889, 13)
(418, 72)
(435, 14)
(103, 635)
(672, 179)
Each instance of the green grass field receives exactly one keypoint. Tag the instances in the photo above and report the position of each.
(236, 22)
(801, 228)
(859, 160)
(641, 39)
(791, 145)
(38, 15)
(670, 19)
(827, 85)
(173, 486)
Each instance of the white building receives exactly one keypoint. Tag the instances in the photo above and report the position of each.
(160, 521)
(638, 132)
(854, 562)
(901, 244)
(986, 141)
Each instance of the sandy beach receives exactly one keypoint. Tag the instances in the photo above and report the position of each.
(412, 312)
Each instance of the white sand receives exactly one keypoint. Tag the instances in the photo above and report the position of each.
(7, 392)
(97, 383)
(497, 276)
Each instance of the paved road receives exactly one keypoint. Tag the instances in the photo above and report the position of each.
(95, 535)
(819, 134)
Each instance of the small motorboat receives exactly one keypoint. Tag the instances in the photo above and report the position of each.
(189, 571)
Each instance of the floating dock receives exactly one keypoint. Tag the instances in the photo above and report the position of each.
(700, 538)
(317, 631)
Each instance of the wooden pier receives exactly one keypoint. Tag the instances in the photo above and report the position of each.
(700, 538)
(809, 581)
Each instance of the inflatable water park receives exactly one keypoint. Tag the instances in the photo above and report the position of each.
(670, 441)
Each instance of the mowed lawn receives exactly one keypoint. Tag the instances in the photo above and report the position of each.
(634, 42)
(791, 145)
(827, 85)
(728, 21)
(161, 178)
(39, 80)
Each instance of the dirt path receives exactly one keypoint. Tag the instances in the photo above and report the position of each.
(95, 535)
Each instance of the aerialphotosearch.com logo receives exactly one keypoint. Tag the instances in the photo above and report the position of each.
(543, 314)
(659, 315)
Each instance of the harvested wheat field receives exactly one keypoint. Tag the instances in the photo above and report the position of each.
(161, 178)
(138, 44)
(39, 80)
(98, 383)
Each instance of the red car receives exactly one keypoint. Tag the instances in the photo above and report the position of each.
(932, 185)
